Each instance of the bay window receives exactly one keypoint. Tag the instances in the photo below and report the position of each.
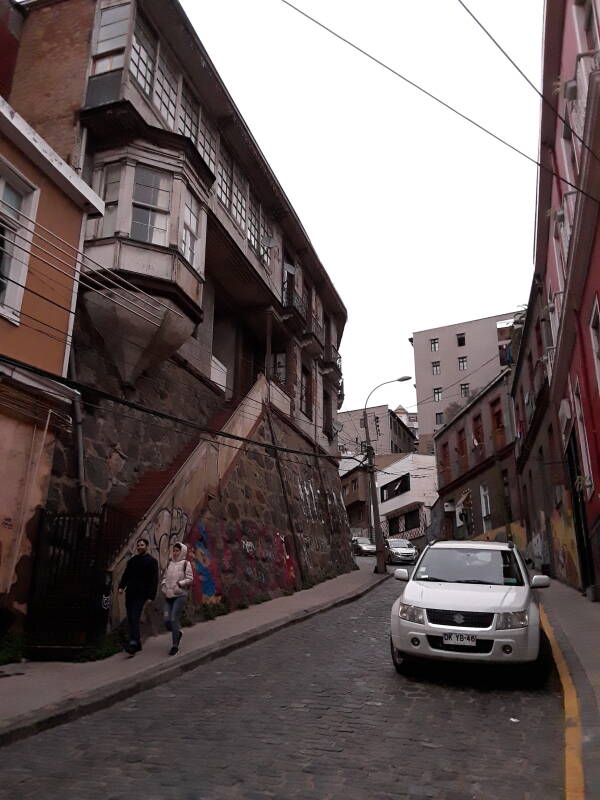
(151, 205)
(191, 224)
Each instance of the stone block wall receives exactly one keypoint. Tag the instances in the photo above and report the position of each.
(121, 444)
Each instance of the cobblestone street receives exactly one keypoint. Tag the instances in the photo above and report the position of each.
(315, 711)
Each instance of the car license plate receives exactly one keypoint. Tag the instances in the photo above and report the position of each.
(465, 639)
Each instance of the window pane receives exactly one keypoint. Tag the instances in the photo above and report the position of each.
(108, 63)
(143, 56)
(238, 206)
(266, 234)
(165, 95)
(111, 183)
(152, 188)
(188, 114)
(191, 218)
(11, 201)
(253, 224)
(206, 144)
(114, 26)
(109, 222)
(149, 226)
(6, 238)
(224, 179)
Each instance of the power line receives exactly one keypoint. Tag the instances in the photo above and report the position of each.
(155, 412)
(524, 76)
(438, 100)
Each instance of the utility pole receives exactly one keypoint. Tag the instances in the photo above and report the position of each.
(379, 548)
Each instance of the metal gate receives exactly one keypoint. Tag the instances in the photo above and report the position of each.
(71, 586)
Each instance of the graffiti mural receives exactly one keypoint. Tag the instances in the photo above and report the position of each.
(205, 587)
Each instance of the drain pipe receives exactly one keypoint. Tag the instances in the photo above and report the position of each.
(78, 416)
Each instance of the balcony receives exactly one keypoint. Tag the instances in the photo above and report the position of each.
(295, 305)
(314, 336)
(332, 360)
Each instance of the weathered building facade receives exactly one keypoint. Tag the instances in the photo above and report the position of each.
(557, 385)
(42, 211)
(388, 433)
(478, 490)
(218, 313)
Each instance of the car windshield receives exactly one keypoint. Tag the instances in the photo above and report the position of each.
(470, 565)
(399, 543)
(363, 540)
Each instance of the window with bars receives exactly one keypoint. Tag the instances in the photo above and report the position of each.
(435, 368)
(266, 236)
(191, 226)
(151, 205)
(225, 179)
(253, 224)
(437, 394)
(207, 144)
(239, 199)
(462, 363)
(189, 111)
(143, 55)
(165, 91)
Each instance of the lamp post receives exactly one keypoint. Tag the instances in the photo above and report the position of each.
(376, 524)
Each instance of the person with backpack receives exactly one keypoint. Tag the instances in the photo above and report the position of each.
(177, 578)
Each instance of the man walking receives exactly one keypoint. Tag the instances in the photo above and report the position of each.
(139, 582)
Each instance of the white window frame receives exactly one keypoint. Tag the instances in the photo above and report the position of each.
(10, 306)
(586, 463)
(595, 339)
(156, 209)
(188, 230)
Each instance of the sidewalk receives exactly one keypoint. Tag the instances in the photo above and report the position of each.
(576, 625)
(39, 695)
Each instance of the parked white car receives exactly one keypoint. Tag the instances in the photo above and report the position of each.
(467, 601)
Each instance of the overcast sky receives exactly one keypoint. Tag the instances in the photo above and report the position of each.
(420, 219)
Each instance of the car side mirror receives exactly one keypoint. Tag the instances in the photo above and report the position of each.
(401, 574)
(537, 582)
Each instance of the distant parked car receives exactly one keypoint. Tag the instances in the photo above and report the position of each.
(468, 601)
(363, 546)
(400, 551)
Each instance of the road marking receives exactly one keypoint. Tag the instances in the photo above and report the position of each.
(574, 780)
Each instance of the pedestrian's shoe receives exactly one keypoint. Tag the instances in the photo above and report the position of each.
(131, 649)
(138, 647)
(173, 651)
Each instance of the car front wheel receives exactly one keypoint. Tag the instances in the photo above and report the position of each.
(402, 663)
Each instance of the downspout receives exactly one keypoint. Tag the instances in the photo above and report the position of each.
(78, 416)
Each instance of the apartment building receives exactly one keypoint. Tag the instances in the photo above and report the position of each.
(410, 419)
(452, 363)
(407, 490)
(556, 390)
(356, 490)
(477, 481)
(229, 319)
(42, 211)
(388, 433)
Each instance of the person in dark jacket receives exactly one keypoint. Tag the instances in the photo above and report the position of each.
(139, 582)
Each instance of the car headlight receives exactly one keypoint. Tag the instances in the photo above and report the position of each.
(512, 619)
(411, 613)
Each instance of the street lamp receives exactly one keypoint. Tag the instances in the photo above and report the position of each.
(379, 551)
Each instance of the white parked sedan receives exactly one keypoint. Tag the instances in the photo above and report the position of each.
(467, 601)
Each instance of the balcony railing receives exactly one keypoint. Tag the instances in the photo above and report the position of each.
(332, 357)
(314, 326)
(291, 299)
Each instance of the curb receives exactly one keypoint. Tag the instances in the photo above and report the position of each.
(574, 773)
(68, 710)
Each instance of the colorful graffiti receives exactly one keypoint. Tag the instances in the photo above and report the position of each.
(205, 587)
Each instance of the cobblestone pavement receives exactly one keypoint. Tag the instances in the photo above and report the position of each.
(315, 711)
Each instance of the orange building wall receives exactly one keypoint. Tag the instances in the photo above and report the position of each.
(40, 339)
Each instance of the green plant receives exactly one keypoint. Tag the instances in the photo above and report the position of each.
(11, 648)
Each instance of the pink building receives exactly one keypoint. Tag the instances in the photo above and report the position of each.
(557, 379)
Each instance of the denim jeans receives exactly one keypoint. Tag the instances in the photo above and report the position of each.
(134, 605)
(173, 608)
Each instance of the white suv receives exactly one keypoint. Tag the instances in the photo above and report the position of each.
(467, 601)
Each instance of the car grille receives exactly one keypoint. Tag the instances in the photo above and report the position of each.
(470, 619)
(481, 646)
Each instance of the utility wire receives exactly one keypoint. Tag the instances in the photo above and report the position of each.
(533, 86)
(438, 100)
